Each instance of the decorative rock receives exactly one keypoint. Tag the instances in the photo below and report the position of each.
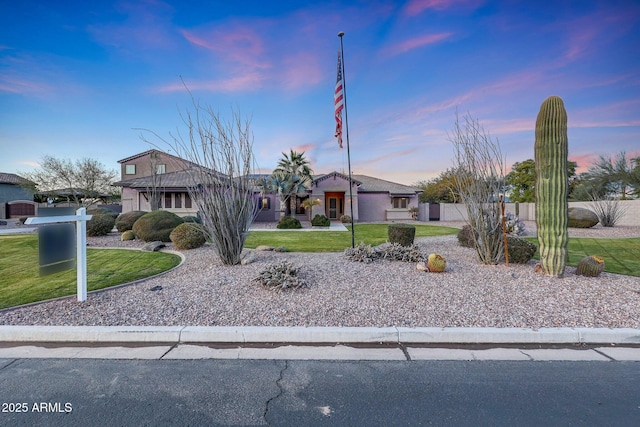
(582, 218)
(280, 249)
(264, 248)
(538, 268)
(127, 235)
(422, 266)
(248, 259)
(3, 223)
(153, 246)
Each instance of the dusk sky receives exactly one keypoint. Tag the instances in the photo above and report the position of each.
(77, 78)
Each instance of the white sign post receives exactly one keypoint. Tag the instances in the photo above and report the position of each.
(80, 218)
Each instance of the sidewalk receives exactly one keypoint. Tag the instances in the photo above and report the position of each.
(316, 343)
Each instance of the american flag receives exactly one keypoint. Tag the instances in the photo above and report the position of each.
(338, 101)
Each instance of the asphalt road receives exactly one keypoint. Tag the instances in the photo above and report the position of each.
(83, 392)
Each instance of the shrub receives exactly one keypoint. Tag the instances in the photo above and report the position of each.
(156, 225)
(465, 237)
(287, 222)
(96, 210)
(514, 225)
(100, 225)
(345, 219)
(127, 235)
(125, 221)
(402, 234)
(397, 252)
(281, 275)
(361, 253)
(520, 251)
(193, 219)
(320, 221)
(188, 236)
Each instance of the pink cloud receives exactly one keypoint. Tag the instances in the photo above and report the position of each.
(416, 7)
(22, 86)
(246, 82)
(415, 42)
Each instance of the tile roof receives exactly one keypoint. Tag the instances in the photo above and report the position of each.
(377, 185)
(12, 178)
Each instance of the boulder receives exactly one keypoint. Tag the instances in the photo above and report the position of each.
(153, 246)
(264, 248)
(582, 218)
(422, 266)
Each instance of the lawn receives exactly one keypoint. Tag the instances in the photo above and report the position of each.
(334, 241)
(621, 256)
(21, 284)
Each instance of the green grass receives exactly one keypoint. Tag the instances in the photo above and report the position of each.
(334, 241)
(621, 256)
(21, 284)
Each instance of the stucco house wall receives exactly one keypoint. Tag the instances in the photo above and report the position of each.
(373, 206)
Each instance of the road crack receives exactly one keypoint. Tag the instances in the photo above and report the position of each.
(280, 391)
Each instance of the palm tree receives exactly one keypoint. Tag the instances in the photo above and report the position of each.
(292, 177)
(309, 204)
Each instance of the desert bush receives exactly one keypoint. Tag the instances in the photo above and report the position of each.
(609, 211)
(398, 252)
(287, 222)
(96, 210)
(402, 234)
(188, 236)
(100, 225)
(466, 238)
(125, 221)
(320, 221)
(281, 275)
(520, 251)
(514, 225)
(345, 219)
(361, 253)
(156, 225)
(127, 235)
(190, 218)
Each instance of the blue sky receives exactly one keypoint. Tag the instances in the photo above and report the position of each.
(78, 78)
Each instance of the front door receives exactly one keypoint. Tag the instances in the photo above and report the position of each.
(335, 205)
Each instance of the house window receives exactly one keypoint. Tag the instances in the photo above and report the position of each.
(130, 169)
(187, 201)
(266, 203)
(400, 202)
(178, 200)
(160, 169)
(167, 200)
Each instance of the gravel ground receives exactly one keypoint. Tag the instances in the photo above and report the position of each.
(344, 293)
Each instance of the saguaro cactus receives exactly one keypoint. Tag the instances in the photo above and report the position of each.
(552, 185)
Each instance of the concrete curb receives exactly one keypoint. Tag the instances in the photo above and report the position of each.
(315, 335)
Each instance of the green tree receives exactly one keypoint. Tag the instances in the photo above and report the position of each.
(521, 181)
(440, 189)
(291, 177)
(618, 175)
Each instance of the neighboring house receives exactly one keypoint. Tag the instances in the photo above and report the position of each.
(16, 198)
(170, 178)
(374, 199)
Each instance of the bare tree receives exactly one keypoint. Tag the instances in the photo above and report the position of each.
(481, 178)
(83, 182)
(154, 189)
(222, 186)
(608, 209)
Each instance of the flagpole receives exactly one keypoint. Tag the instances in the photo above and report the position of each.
(346, 126)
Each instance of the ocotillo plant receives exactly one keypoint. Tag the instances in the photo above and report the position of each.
(552, 185)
